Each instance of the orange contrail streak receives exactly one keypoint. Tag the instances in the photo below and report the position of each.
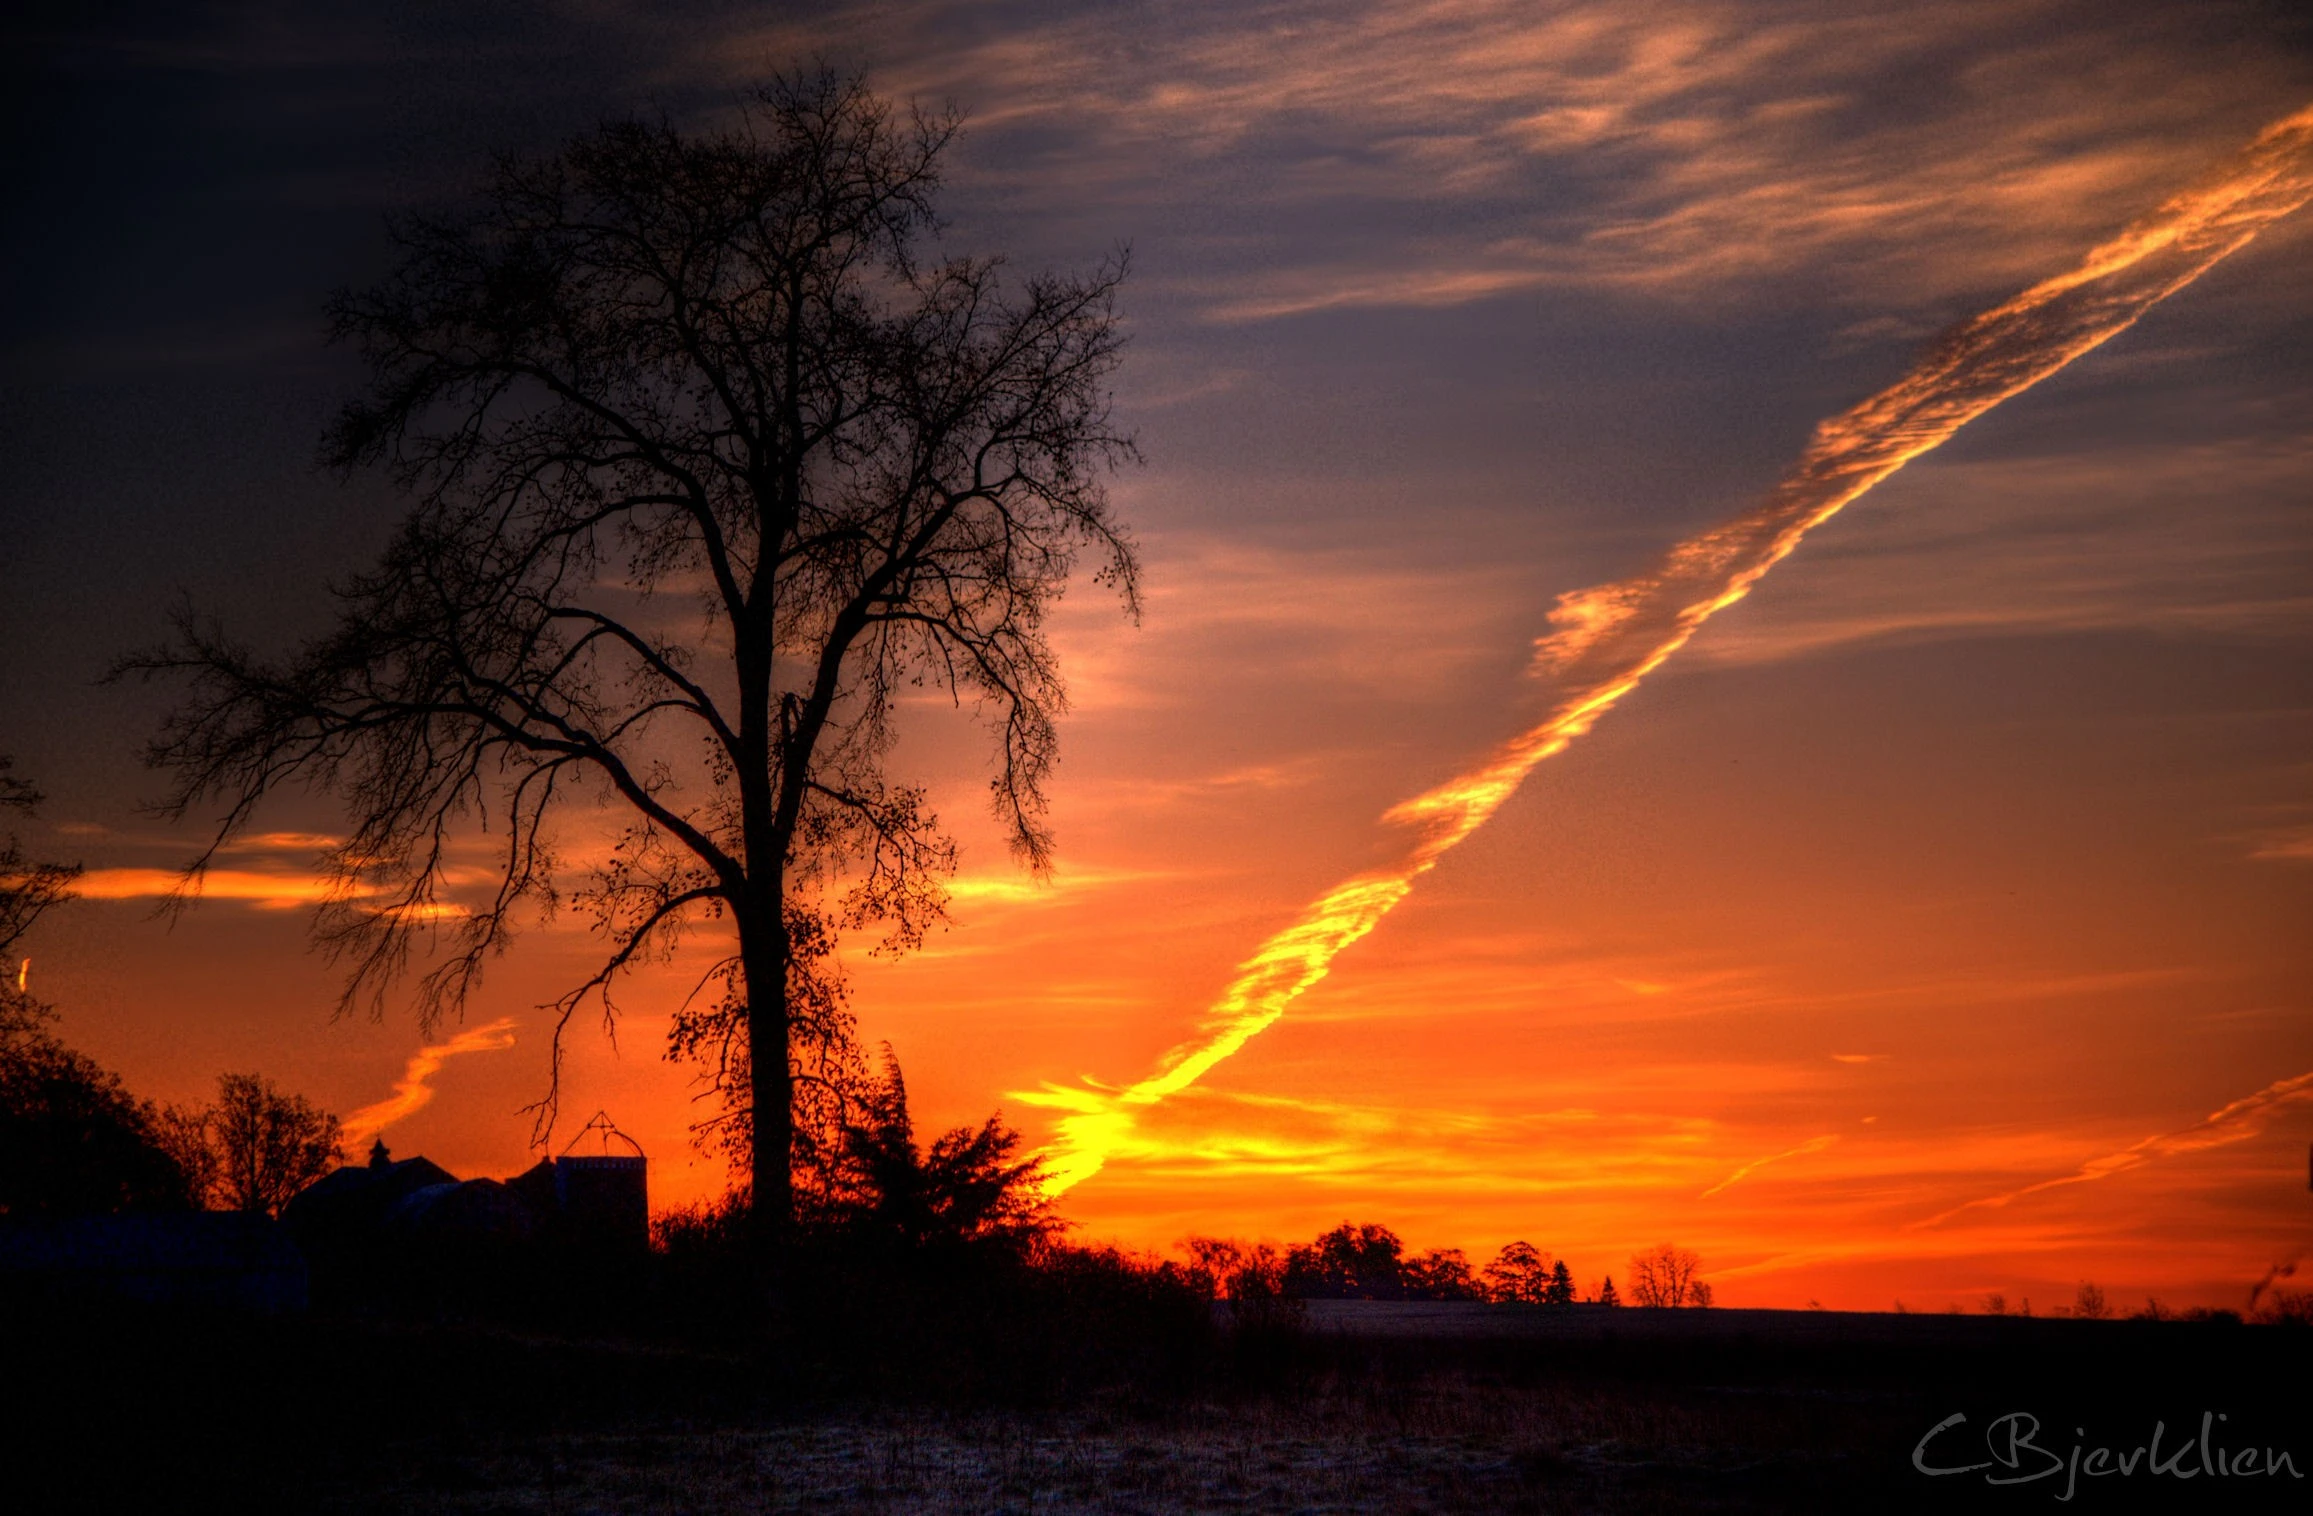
(1811, 1145)
(413, 1090)
(1609, 638)
(2237, 1122)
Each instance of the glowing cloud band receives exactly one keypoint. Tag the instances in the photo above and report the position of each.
(1607, 639)
(413, 1091)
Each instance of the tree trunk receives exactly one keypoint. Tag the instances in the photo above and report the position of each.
(764, 955)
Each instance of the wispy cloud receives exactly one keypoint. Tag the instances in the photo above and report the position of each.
(1451, 150)
(1811, 1145)
(2292, 845)
(282, 842)
(413, 1091)
(1221, 607)
(2236, 1122)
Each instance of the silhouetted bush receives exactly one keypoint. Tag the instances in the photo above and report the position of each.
(953, 1318)
(73, 1141)
(2289, 1308)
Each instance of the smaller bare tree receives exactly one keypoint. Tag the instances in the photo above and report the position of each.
(254, 1149)
(1664, 1276)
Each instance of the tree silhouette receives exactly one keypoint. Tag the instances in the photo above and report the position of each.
(1238, 1272)
(73, 1140)
(1606, 1295)
(1560, 1290)
(254, 1149)
(1664, 1276)
(1348, 1263)
(712, 460)
(1520, 1274)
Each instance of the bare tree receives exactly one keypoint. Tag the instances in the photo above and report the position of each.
(267, 1145)
(1664, 1277)
(251, 1151)
(711, 463)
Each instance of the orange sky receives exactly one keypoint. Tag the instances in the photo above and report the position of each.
(1934, 923)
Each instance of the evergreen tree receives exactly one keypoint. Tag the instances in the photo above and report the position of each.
(1560, 1290)
(970, 1187)
(1606, 1295)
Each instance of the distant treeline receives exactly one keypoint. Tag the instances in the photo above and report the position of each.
(1369, 1262)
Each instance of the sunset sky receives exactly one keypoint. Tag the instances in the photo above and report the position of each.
(1936, 920)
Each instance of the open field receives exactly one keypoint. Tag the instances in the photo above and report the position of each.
(1373, 1408)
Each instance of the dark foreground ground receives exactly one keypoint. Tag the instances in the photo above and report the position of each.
(1374, 1408)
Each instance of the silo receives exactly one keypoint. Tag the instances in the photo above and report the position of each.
(605, 1198)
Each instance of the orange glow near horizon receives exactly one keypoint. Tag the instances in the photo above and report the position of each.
(1611, 637)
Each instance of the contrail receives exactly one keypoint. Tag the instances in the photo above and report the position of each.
(1609, 638)
(2237, 1122)
(1811, 1145)
(411, 1091)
